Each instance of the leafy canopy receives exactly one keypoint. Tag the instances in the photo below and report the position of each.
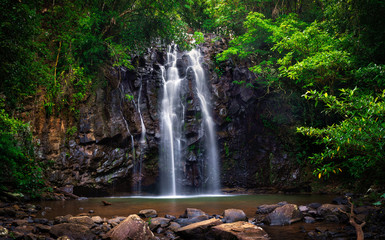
(357, 142)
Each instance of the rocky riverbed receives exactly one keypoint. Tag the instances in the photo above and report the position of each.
(314, 221)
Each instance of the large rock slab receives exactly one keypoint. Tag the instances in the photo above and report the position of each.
(238, 230)
(198, 230)
(234, 215)
(284, 215)
(186, 221)
(133, 227)
(73, 231)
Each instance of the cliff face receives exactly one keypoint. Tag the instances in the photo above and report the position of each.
(98, 153)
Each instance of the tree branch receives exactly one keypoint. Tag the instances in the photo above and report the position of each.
(352, 220)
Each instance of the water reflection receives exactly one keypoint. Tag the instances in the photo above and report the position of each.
(124, 206)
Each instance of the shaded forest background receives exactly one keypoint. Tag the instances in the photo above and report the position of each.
(329, 54)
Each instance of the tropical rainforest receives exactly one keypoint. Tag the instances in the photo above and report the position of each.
(329, 53)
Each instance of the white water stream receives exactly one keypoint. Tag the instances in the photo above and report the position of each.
(172, 127)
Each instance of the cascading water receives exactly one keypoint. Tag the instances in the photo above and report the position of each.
(126, 125)
(208, 125)
(137, 170)
(171, 125)
(174, 145)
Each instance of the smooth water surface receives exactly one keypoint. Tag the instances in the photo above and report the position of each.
(124, 206)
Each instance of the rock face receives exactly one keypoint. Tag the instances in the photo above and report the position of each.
(97, 151)
(239, 230)
(284, 215)
(133, 227)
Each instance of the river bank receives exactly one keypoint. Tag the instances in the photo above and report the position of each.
(266, 219)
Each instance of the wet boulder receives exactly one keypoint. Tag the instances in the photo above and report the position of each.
(186, 221)
(234, 215)
(266, 208)
(62, 219)
(84, 220)
(97, 219)
(314, 205)
(133, 227)
(25, 229)
(238, 230)
(284, 215)
(198, 230)
(174, 226)
(192, 212)
(115, 221)
(333, 212)
(308, 219)
(148, 213)
(159, 222)
(73, 231)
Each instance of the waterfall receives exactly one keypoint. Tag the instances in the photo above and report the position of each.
(174, 145)
(172, 112)
(126, 125)
(137, 170)
(203, 93)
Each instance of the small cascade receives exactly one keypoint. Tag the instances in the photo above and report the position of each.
(126, 126)
(137, 170)
(178, 174)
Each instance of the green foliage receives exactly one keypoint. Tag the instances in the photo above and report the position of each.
(356, 143)
(58, 48)
(362, 23)
(199, 38)
(120, 54)
(129, 97)
(227, 17)
(20, 172)
(20, 71)
(371, 76)
(379, 203)
(227, 150)
(71, 131)
(304, 53)
(193, 13)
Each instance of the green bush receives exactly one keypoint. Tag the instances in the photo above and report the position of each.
(356, 144)
(20, 171)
